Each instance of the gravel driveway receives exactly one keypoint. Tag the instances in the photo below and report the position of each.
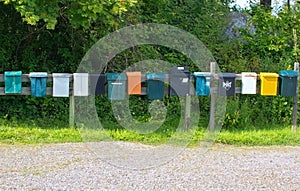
(77, 167)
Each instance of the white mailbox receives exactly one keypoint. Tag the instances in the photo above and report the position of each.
(81, 84)
(61, 84)
(249, 80)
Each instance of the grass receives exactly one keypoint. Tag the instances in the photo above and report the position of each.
(35, 135)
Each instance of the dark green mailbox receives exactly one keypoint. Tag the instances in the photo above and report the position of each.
(38, 83)
(202, 81)
(97, 84)
(288, 82)
(179, 81)
(116, 86)
(227, 84)
(155, 85)
(13, 82)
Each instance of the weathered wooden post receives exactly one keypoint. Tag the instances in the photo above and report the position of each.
(212, 96)
(295, 103)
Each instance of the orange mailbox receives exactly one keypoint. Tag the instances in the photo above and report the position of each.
(134, 82)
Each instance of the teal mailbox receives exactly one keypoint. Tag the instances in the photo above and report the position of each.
(155, 85)
(38, 83)
(202, 82)
(13, 82)
(288, 82)
(116, 86)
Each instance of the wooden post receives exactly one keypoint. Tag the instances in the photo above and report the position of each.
(187, 111)
(71, 112)
(212, 97)
(295, 103)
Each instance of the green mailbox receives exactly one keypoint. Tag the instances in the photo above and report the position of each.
(13, 82)
(38, 84)
(116, 86)
(155, 85)
(288, 82)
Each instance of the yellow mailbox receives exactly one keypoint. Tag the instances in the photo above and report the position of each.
(268, 83)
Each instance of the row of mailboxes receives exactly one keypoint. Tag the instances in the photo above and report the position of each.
(131, 83)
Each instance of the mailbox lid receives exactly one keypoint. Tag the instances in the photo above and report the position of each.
(116, 76)
(155, 85)
(38, 75)
(288, 73)
(13, 73)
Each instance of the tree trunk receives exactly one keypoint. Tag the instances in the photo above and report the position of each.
(266, 3)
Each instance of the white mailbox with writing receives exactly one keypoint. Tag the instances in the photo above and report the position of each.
(81, 84)
(61, 84)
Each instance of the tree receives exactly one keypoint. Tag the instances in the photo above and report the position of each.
(266, 3)
(81, 13)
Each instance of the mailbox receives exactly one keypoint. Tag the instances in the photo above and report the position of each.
(13, 82)
(134, 82)
(81, 84)
(227, 84)
(38, 83)
(179, 81)
(249, 81)
(116, 86)
(61, 84)
(155, 85)
(202, 82)
(269, 83)
(288, 82)
(97, 84)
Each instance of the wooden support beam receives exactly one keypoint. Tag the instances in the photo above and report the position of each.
(295, 102)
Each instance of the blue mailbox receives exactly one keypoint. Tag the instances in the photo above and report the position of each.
(38, 83)
(202, 82)
(116, 86)
(13, 82)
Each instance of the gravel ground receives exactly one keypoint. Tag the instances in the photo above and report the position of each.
(80, 167)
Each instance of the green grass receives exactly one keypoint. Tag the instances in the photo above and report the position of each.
(36, 135)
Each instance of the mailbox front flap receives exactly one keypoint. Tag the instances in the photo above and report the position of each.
(13, 73)
(288, 73)
(38, 74)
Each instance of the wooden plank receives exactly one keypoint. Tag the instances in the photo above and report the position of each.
(212, 97)
(295, 101)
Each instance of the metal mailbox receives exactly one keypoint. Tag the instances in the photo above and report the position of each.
(202, 82)
(38, 82)
(97, 84)
(249, 82)
(13, 82)
(179, 81)
(227, 84)
(134, 83)
(116, 86)
(269, 83)
(155, 85)
(288, 82)
(61, 84)
(81, 84)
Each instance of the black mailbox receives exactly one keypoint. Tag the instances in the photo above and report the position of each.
(179, 81)
(97, 84)
(227, 84)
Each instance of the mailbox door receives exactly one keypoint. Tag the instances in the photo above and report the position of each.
(227, 84)
(155, 85)
(179, 81)
(249, 81)
(61, 84)
(202, 81)
(13, 82)
(269, 83)
(116, 86)
(38, 84)
(134, 82)
(288, 82)
(81, 84)
(97, 84)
